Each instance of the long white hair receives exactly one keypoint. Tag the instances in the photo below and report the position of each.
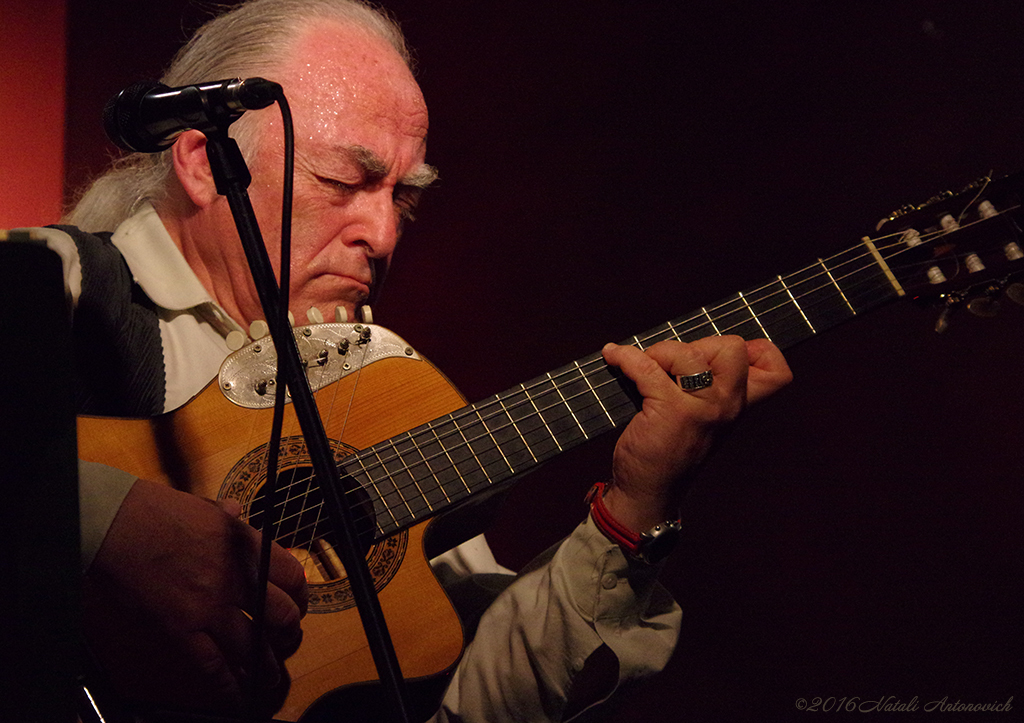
(251, 39)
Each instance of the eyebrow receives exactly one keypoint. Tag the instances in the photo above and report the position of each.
(376, 170)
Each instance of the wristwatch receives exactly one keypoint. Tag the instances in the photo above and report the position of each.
(651, 546)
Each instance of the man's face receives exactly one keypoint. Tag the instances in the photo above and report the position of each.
(360, 139)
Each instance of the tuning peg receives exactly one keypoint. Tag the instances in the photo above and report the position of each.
(366, 314)
(340, 315)
(291, 319)
(912, 237)
(313, 316)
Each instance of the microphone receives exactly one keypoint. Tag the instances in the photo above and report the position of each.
(146, 117)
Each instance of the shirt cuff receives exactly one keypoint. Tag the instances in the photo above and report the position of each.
(101, 490)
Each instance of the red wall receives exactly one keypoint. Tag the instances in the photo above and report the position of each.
(32, 62)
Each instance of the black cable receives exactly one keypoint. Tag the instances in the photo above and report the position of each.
(270, 523)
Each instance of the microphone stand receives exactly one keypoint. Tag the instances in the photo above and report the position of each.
(232, 180)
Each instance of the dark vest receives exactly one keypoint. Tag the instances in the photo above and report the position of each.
(118, 354)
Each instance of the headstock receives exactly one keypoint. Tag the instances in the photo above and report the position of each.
(960, 249)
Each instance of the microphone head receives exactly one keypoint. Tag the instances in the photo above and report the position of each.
(121, 119)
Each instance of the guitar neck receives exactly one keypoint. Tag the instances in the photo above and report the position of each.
(424, 471)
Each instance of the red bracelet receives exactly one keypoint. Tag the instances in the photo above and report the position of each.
(612, 528)
(650, 546)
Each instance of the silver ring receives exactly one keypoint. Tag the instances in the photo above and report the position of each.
(695, 382)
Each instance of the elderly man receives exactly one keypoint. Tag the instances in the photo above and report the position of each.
(173, 285)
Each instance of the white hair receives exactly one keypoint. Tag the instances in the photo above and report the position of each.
(251, 39)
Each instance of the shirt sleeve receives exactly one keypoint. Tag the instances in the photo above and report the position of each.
(101, 490)
(578, 622)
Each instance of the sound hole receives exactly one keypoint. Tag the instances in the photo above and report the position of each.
(304, 527)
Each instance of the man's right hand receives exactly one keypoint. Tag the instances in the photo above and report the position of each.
(169, 596)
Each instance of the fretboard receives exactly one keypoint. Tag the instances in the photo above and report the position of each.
(427, 469)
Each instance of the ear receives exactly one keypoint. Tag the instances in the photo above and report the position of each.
(192, 168)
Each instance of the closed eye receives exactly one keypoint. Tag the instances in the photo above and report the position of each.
(340, 185)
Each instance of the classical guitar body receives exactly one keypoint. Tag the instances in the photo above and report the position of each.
(211, 447)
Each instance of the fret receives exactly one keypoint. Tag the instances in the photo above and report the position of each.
(517, 430)
(469, 469)
(484, 447)
(797, 305)
(378, 497)
(821, 300)
(733, 316)
(540, 399)
(751, 310)
(863, 282)
(413, 476)
(662, 332)
(425, 471)
(535, 432)
(389, 489)
(579, 397)
(500, 434)
(711, 321)
(561, 395)
(778, 314)
(445, 471)
(838, 287)
(597, 397)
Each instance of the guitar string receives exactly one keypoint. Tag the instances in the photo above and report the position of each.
(475, 409)
(670, 323)
(382, 462)
(307, 481)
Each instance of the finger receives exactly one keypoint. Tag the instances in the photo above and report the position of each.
(234, 635)
(682, 360)
(769, 371)
(287, 573)
(230, 506)
(651, 379)
(283, 626)
(218, 680)
(727, 359)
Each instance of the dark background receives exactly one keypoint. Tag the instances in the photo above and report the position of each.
(608, 165)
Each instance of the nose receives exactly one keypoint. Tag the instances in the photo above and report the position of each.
(379, 226)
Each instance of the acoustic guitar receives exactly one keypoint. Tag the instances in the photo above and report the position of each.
(409, 447)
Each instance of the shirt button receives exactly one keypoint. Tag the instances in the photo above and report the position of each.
(609, 581)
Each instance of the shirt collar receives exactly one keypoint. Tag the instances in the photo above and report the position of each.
(161, 270)
(157, 264)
